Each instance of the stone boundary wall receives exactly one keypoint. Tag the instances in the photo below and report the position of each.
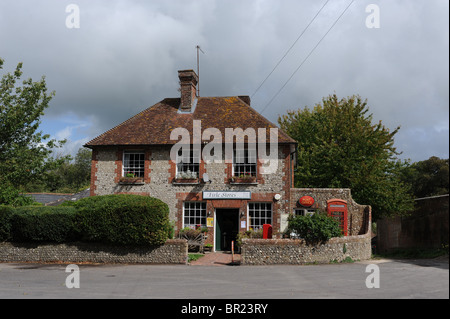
(296, 251)
(174, 251)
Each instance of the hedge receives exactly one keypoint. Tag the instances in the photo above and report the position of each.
(6, 213)
(123, 219)
(114, 219)
(46, 223)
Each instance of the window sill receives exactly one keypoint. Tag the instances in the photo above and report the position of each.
(182, 181)
(244, 183)
(131, 181)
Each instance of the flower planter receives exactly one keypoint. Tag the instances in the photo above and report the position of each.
(245, 180)
(185, 181)
(131, 181)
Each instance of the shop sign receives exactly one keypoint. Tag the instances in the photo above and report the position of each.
(227, 195)
(306, 201)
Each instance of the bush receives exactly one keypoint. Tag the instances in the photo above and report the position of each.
(45, 223)
(249, 234)
(123, 219)
(6, 213)
(12, 197)
(314, 229)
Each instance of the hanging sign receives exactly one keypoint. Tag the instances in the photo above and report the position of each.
(306, 201)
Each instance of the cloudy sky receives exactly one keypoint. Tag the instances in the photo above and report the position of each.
(125, 55)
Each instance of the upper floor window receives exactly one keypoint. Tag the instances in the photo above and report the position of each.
(134, 163)
(244, 162)
(188, 163)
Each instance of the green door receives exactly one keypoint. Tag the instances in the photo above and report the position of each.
(227, 228)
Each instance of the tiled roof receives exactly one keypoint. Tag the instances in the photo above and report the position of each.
(154, 125)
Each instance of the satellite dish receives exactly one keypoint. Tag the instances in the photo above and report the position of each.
(206, 178)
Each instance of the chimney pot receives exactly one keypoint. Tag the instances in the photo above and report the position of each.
(188, 83)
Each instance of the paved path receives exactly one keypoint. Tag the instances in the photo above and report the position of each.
(217, 259)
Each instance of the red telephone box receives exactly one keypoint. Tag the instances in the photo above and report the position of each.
(267, 231)
(337, 208)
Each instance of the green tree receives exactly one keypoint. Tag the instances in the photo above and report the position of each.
(24, 151)
(428, 178)
(82, 168)
(339, 146)
(71, 177)
(68, 177)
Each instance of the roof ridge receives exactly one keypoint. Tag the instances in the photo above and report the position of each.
(153, 125)
(269, 122)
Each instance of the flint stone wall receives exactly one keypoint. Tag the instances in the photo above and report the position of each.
(296, 251)
(174, 251)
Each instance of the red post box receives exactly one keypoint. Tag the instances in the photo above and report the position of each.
(267, 231)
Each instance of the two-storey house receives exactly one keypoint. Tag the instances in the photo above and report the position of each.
(203, 156)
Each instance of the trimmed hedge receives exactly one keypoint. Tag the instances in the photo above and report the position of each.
(123, 219)
(6, 213)
(46, 223)
(113, 219)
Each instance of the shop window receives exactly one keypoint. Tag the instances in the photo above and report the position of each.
(260, 214)
(134, 163)
(194, 214)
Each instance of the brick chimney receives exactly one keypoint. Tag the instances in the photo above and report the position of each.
(188, 82)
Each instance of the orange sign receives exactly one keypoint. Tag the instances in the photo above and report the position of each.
(306, 201)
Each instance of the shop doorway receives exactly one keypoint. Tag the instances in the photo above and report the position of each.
(227, 228)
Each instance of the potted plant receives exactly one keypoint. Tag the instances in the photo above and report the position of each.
(186, 178)
(243, 179)
(208, 247)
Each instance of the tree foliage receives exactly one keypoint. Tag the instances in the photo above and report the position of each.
(339, 146)
(70, 177)
(427, 178)
(24, 151)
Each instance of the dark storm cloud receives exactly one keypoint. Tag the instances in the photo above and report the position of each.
(125, 57)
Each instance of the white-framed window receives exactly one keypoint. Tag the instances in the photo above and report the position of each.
(188, 164)
(244, 162)
(194, 214)
(259, 214)
(303, 212)
(133, 163)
